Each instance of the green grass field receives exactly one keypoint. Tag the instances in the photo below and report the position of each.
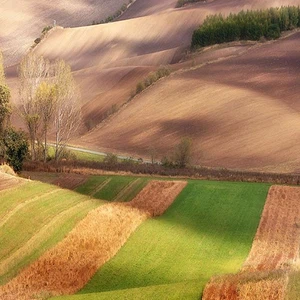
(207, 231)
(34, 217)
(112, 188)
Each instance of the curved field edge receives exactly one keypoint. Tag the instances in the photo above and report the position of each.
(24, 234)
(181, 290)
(208, 230)
(71, 263)
(271, 270)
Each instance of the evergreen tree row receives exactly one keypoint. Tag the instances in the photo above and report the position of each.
(246, 25)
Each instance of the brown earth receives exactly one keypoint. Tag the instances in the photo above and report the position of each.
(274, 253)
(231, 110)
(23, 21)
(68, 266)
(242, 112)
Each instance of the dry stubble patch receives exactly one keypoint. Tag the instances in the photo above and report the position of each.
(68, 266)
(275, 248)
(9, 181)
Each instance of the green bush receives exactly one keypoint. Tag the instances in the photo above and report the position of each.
(151, 78)
(16, 148)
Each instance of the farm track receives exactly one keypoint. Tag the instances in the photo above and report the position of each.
(100, 187)
(38, 238)
(274, 253)
(70, 264)
(120, 196)
(6, 217)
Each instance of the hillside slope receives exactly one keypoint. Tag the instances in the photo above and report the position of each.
(109, 59)
(23, 21)
(242, 112)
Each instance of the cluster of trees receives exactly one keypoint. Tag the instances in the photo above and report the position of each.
(50, 102)
(181, 3)
(44, 32)
(116, 15)
(246, 25)
(13, 143)
(151, 78)
(181, 156)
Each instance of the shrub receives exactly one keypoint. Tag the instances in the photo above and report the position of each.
(111, 159)
(16, 148)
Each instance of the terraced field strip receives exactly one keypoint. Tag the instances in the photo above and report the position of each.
(115, 186)
(21, 205)
(27, 221)
(91, 185)
(207, 230)
(44, 238)
(275, 250)
(126, 190)
(10, 199)
(70, 264)
(100, 187)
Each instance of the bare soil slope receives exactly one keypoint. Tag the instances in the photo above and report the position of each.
(242, 112)
(110, 59)
(23, 21)
(274, 253)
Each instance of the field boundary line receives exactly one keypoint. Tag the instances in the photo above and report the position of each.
(119, 196)
(21, 205)
(37, 239)
(100, 187)
(70, 264)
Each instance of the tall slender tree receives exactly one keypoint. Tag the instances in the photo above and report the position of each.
(33, 71)
(67, 114)
(46, 102)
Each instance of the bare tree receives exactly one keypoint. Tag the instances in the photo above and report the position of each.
(32, 71)
(67, 115)
(46, 95)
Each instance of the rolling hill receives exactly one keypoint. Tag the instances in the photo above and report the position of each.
(206, 104)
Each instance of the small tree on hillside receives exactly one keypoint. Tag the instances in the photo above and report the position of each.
(67, 114)
(16, 148)
(33, 71)
(46, 95)
(2, 73)
(182, 153)
(5, 107)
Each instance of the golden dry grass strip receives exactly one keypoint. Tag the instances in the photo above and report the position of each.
(43, 234)
(277, 240)
(21, 205)
(68, 266)
(127, 188)
(9, 181)
(275, 249)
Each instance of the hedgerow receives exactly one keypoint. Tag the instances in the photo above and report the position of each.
(246, 25)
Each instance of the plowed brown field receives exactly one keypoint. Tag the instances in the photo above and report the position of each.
(241, 113)
(274, 253)
(23, 21)
(68, 266)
